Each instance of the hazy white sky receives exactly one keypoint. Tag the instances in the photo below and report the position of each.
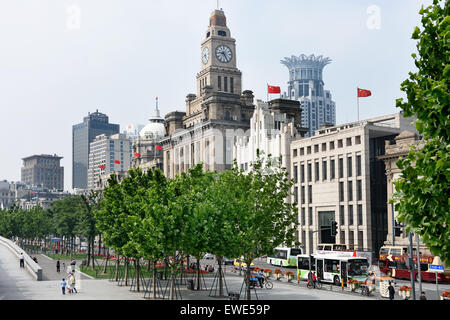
(60, 59)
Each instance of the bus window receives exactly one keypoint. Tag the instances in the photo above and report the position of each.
(396, 252)
(319, 247)
(384, 250)
(357, 267)
(327, 248)
(331, 265)
(313, 264)
(281, 254)
(401, 265)
(423, 267)
(295, 252)
(392, 265)
(340, 247)
(303, 263)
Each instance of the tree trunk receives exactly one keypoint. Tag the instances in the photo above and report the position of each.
(136, 268)
(126, 271)
(154, 279)
(117, 269)
(198, 273)
(219, 261)
(93, 254)
(172, 284)
(89, 253)
(247, 272)
(106, 263)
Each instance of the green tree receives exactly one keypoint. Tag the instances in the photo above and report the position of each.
(260, 218)
(422, 198)
(87, 224)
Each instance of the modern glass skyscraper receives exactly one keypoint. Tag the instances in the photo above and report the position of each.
(306, 85)
(83, 134)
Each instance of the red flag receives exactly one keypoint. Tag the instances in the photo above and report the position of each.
(158, 147)
(273, 89)
(102, 166)
(116, 161)
(137, 155)
(364, 93)
(354, 254)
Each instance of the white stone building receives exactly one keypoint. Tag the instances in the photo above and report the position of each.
(270, 132)
(108, 155)
(339, 177)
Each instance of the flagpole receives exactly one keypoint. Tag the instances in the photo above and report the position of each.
(267, 88)
(357, 98)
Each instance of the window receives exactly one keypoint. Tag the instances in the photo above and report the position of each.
(340, 144)
(317, 171)
(332, 145)
(302, 151)
(225, 84)
(350, 191)
(341, 214)
(332, 169)
(350, 215)
(341, 191)
(310, 216)
(303, 195)
(222, 33)
(324, 170)
(309, 150)
(231, 85)
(349, 142)
(331, 265)
(324, 147)
(295, 152)
(296, 194)
(316, 148)
(358, 166)
(295, 173)
(303, 216)
(349, 166)
(358, 140)
(302, 173)
(219, 83)
(310, 194)
(359, 190)
(341, 167)
(360, 215)
(309, 172)
(303, 263)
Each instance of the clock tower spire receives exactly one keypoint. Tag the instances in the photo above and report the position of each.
(218, 58)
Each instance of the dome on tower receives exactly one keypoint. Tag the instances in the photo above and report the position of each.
(155, 128)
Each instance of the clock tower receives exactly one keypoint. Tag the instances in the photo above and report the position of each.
(218, 59)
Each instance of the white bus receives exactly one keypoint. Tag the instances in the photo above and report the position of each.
(343, 250)
(331, 268)
(284, 257)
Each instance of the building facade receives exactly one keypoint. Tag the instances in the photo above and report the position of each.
(395, 149)
(43, 170)
(147, 149)
(108, 154)
(205, 132)
(83, 134)
(339, 177)
(307, 86)
(272, 128)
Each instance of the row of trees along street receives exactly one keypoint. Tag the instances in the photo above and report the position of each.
(149, 217)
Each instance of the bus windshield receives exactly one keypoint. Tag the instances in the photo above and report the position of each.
(358, 267)
(296, 252)
(281, 254)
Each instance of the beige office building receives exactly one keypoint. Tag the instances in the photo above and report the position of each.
(339, 177)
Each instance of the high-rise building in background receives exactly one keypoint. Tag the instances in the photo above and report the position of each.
(306, 85)
(108, 155)
(43, 170)
(83, 134)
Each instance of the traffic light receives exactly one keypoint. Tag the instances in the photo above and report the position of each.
(334, 228)
(398, 229)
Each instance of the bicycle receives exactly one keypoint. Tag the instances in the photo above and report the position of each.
(317, 284)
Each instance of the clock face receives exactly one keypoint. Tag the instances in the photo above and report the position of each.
(224, 54)
(205, 55)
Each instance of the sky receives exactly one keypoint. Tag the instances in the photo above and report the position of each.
(60, 59)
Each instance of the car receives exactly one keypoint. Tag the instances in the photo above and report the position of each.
(208, 256)
(228, 262)
(239, 263)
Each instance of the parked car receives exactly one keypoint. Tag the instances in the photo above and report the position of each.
(228, 262)
(208, 256)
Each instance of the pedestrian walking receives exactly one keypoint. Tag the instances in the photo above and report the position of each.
(63, 286)
(64, 266)
(422, 296)
(73, 263)
(72, 283)
(391, 291)
(58, 266)
(22, 260)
